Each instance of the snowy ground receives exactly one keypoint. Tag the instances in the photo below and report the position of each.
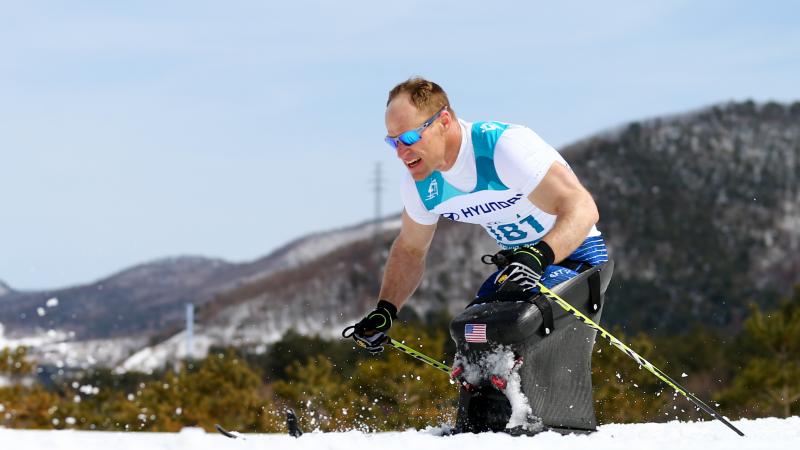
(771, 434)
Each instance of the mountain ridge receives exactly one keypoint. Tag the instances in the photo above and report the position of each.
(149, 297)
(4, 288)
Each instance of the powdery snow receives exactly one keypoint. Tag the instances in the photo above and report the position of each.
(501, 363)
(771, 434)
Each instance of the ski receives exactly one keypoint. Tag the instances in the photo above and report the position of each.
(227, 433)
(291, 425)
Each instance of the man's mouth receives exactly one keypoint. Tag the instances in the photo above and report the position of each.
(412, 163)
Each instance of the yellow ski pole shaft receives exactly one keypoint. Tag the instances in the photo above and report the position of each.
(349, 332)
(419, 355)
(635, 356)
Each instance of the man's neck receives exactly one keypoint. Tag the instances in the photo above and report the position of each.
(452, 144)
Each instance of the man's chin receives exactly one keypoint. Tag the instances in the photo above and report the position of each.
(419, 174)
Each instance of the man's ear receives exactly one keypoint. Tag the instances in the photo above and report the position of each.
(446, 119)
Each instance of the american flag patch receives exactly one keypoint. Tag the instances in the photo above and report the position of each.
(475, 332)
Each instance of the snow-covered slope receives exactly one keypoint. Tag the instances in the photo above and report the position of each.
(151, 358)
(60, 349)
(313, 246)
(767, 434)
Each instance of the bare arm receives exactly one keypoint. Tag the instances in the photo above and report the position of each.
(561, 194)
(406, 262)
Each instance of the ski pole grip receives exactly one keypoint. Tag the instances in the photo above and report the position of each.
(351, 328)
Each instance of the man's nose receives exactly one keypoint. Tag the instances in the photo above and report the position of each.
(402, 150)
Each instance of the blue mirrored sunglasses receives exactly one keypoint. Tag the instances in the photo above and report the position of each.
(411, 137)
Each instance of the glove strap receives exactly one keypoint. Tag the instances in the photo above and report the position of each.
(541, 251)
(389, 307)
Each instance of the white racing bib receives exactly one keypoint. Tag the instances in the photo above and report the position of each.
(502, 164)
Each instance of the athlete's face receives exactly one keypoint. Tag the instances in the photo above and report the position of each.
(426, 155)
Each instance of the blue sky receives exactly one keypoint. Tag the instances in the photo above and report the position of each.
(131, 131)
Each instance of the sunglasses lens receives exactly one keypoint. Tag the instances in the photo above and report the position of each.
(410, 137)
(392, 143)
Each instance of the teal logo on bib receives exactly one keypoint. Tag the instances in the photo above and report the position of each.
(433, 190)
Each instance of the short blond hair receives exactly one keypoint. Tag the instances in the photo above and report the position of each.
(427, 96)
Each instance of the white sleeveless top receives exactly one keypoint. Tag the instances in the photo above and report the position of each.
(497, 167)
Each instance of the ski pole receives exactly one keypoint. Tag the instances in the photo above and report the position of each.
(350, 331)
(419, 355)
(635, 356)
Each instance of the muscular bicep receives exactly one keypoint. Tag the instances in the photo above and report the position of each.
(415, 237)
(558, 188)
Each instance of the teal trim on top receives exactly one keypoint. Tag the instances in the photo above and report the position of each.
(484, 139)
(434, 189)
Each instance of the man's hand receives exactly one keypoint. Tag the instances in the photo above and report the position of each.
(370, 332)
(525, 268)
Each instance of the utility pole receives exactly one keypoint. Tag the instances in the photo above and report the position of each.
(378, 185)
(189, 330)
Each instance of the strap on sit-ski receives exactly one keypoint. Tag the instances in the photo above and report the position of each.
(548, 325)
(595, 299)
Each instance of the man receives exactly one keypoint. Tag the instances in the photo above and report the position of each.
(501, 176)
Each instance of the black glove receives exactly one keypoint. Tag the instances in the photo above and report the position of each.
(370, 332)
(525, 267)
